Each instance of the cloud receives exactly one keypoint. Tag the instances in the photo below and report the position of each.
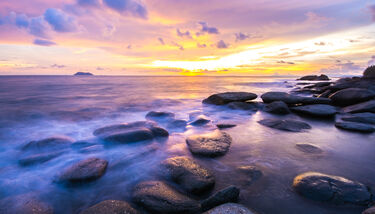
(178, 45)
(38, 27)
(161, 41)
(43, 42)
(128, 6)
(88, 3)
(241, 36)
(100, 69)
(22, 21)
(320, 43)
(372, 61)
(206, 29)
(284, 62)
(183, 34)
(372, 11)
(109, 30)
(60, 21)
(221, 44)
(199, 45)
(57, 66)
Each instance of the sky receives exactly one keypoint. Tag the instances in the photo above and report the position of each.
(186, 37)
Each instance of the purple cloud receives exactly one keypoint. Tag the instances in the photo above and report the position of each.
(199, 45)
(183, 34)
(221, 44)
(88, 3)
(38, 27)
(372, 61)
(43, 42)
(206, 29)
(241, 36)
(22, 21)
(128, 6)
(161, 41)
(284, 62)
(320, 43)
(59, 21)
(57, 66)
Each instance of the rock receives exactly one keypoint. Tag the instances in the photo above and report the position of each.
(200, 120)
(286, 125)
(38, 158)
(370, 210)
(84, 171)
(314, 77)
(246, 106)
(360, 118)
(111, 207)
(83, 74)
(289, 99)
(157, 197)
(229, 194)
(339, 190)
(252, 172)
(369, 73)
(177, 124)
(227, 97)
(317, 110)
(357, 127)
(325, 94)
(189, 174)
(48, 144)
(230, 208)
(368, 106)
(225, 125)
(309, 148)
(350, 96)
(159, 116)
(212, 144)
(277, 107)
(24, 204)
(130, 132)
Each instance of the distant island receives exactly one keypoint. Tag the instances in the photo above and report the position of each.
(83, 74)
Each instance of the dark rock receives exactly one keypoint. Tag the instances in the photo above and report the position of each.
(83, 74)
(24, 204)
(38, 158)
(360, 118)
(368, 106)
(189, 174)
(277, 107)
(314, 77)
(111, 207)
(130, 132)
(286, 125)
(339, 190)
(351, 96)
(48, 144)
(85, 170)
(357, 127)
(246, 106)
(227, 97)
(212, 144)
(159, 116)
(325, 94)
(318, 110)
(252, 172)
(157, 197)
(289, 99)
(370, 210)
(225, 125)
(229, 194)
(369, 73)
(309, 148)
(200, 120)
(230, 208)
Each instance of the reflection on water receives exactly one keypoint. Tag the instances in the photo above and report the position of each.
(33, 108)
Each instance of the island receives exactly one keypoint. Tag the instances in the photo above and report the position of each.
(83, 74)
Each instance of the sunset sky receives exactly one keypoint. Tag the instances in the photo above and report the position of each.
(186, 37)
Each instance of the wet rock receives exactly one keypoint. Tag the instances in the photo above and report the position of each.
(225, 125)
(229, 194)
(227, 97)
(318, 110)
(309, 148)
(230, 208)
(370, 210)
(111, 207)
(158, 197)
(48, 144)
(24, 204)
(246, 106)
(289, 99)
(84, 171)
(200, 120)
(286, 125)
(212, 144)
(360, 118)
(335, 189)
(38, 158)
(277, 107)
(130, 132)
(369, 73)
(325, 94)
(357, 127)
(189, 174)
(252, 172)
(351, 96)
(368, 106)
(159, 116)
(322, 77)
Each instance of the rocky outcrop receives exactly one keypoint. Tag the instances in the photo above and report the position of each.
(318, 110)
(351, 96)
(369, 73)
(289, 99)
(277, 107)
(212, 144)
(227, 97)
(285, 125)
(356, 127)
(229, 194)
(322, 77)
(111, 207)
(368, 106)
(230, 208)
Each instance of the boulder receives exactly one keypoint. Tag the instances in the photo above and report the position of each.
(322, 77)
(159, 116)
(38, 158)
(368, 106)
(309, 148)
(360, 118)
(130, 132)
(227, 97)
(189, 174)
(317, 110)
(229, 194)
(86, 170)
(245, 106)
(289, 99)
(369, 73)
(225, 125)
(370, 210)
(285, 125)
(277, 107)
(212, 144)
(48, 144)
(157, 197)
(200, 120)
(111, 207)
(230, 208)
(356, 127)
(351, 96)
(329, 188)
(24, 204)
